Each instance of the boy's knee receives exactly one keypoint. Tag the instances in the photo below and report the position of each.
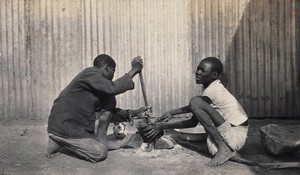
(196, 103)
(99, 155)
(105, 116)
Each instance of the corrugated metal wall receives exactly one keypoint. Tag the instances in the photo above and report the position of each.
(44, 44)
(256, 41)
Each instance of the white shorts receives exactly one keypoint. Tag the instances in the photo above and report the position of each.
(234, 136)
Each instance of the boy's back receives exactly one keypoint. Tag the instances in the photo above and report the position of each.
(225, 103)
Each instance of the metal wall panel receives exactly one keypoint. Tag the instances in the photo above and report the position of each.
(256, 40)
(44, 44)
(125, 29)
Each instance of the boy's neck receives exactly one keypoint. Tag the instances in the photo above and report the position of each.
(206, 85)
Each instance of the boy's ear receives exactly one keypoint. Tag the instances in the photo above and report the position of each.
(106, 67)
(215, 75)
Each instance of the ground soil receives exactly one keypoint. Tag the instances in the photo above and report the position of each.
(23, 147)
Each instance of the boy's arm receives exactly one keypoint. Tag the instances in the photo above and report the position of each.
(121, 115)
(157, 128)
(206, 99)
(192, 122)
(169, 114)
(182, 110)
(181, 124)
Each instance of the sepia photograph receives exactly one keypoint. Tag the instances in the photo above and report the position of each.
(149, 87)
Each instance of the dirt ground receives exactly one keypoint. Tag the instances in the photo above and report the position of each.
(23, 147)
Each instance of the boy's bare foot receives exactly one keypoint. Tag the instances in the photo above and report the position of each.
(52, 149)
(221, 157)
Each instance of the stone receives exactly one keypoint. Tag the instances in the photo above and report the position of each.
(147, 147)
(163, 143)
(279, 139)
(120, 130)
(132, 141)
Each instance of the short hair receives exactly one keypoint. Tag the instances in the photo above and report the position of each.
(217, 65)
(103, 59)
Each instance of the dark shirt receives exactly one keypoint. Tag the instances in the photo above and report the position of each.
(73, 113)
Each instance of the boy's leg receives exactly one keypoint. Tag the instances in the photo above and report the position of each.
(210, 119)
(104, 121)
(88, 148)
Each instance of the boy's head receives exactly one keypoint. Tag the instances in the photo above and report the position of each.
(106, 63)
(208, 70)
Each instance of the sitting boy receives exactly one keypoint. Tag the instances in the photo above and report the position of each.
(221, 115)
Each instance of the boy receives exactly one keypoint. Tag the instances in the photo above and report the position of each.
(87, 99)
(221, 115)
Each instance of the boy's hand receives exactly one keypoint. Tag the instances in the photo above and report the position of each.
(138, 112)
(137, 64)
(153, 131)
(165, 117)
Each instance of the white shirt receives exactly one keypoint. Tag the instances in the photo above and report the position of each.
(225, 103)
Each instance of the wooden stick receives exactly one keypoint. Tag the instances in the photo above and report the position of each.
(280, 165)
(150, 145)
(143, 89)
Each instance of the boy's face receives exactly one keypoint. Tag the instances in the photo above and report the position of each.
(109, 72)
(204, 73)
